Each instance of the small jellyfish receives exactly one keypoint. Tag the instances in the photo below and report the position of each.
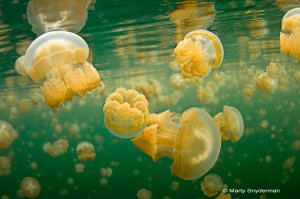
(79, 168)
(126, 113)
(59, 59)
(85, 151)
(69, 15)
(230, 123)
(144, 194)
(290, 33)
(5, 166)
(198, 53)
(268, 81)
(211, 185)
(7, 134)
(193, 142)
(30, 187)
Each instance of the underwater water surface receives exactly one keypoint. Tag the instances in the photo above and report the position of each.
(131, 45)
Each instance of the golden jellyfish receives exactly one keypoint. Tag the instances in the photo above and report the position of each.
(268, 81)
(193, 142)
(20, 66)
(5, 166)
(144, 194)
(211, 185)
(69, 15)
(126, 113)
(59, 59)
(85, 151)
(230, 123)
(198, 53)
(30, 187)
(290, 33)
(7, 134)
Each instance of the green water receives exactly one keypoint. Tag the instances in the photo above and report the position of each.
(133, 41)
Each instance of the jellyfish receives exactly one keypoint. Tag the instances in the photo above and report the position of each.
(198, 53)
(30, 187)
(211, 185)
(290, 33)
(268, 80)
(5, 166)
(59, 59)
(7, 134)
(144, 194)
(48, 15)
(230, 123)
(193, 141)
(85, 151)
(20, 66)
(126, 113)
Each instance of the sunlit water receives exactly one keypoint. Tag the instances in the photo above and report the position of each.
(132, 42)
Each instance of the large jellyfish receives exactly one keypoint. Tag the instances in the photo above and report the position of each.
(47, 15)
(126, 113)
(193, 142)
(290, 33)
(231, 124)
(7, 134)
(59, 58)
(198, 53)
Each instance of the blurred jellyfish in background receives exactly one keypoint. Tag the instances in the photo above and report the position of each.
(48, 15)
(230, 123)
(290, 33)
(59, 147)
(212, 185)
(191, 15)
(85, 151)
(268, 81)
(59, 59)
(5, 166)
(193, 142)
(144, 194)
(198, 53)
(126, 113)
(30, 187)
(7, 135)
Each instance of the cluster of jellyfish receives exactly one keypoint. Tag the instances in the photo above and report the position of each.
(168, 134)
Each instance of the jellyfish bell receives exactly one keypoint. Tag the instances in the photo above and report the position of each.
(59, 58)
(30, 187)
(198, 53)
(193, 142)
(126, 113)
(7, 134)
(211, 44)
(211, 185)
(198, 132)
(231, 124)
(85, 151)
(290, 33)
(55, 44)
(48, 15)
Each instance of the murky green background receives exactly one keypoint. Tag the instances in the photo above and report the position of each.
(133, 41)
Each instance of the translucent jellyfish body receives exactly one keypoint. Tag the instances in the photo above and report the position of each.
(5, 166)
(211, 185)
(7, 134)
(30, 187)
(231, 124)
(126, 113)
(193, 141)
(59, 59)
(69, 15)
(85, 151)
(59, 147)
(268, 81)
(198, 53)
(290, 33)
